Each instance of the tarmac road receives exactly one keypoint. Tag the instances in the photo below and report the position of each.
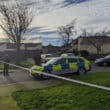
(16, 76)
(96, 69)
(22, 76)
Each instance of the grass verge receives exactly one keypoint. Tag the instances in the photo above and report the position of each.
(68, 96)
(25, 63)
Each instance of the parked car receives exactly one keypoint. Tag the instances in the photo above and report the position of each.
(104, 61)
(47, 57)
(62, 65)
(67, 54)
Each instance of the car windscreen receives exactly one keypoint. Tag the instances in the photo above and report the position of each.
(52, 55)
(49, 55)
(108, 56)
(52, 61)
(70, 54)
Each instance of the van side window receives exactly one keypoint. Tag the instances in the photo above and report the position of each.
(80, 60)
(72, 60)
(61, 61)
(108, 59)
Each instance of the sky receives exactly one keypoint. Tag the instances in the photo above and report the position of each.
(51, 14)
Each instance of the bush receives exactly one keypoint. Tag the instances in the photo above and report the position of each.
(75, 52)
(26, 63)
(84, 53)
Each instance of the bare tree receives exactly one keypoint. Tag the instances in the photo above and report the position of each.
(15, 21)
(96, 39)
(66, 32)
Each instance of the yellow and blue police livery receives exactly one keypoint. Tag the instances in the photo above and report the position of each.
(62, 65)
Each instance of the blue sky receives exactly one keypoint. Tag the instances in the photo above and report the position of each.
(89, 14)
(50, 14)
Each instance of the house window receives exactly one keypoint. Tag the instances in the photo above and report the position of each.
(81, 60)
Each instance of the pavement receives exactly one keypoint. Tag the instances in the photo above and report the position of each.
(16, 76)
(23, 76)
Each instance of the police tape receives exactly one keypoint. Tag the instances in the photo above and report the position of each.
(59, 77)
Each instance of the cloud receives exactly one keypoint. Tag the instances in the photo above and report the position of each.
(51, 14)
(71, 2)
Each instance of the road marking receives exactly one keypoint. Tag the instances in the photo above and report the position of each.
(60, 77)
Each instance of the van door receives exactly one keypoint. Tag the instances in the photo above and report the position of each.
(73, 64)
(60, 66)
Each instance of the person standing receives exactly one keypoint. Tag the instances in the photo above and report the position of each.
(37, 60)
(6, 66)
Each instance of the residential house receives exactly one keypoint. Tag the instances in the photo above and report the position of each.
(51, 49)
(91, 42)
(27, 50)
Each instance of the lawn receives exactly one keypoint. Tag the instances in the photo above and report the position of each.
(97, 78)
(6, 100)
(25, 63)
(67, 96)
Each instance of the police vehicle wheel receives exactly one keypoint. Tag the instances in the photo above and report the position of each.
(104, 64)
(45, 76)
(81, 71)
(37, 76)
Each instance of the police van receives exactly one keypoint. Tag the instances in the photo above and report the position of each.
(62, 65)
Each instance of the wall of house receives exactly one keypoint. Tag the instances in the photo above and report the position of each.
(24, 54)
(2, 47)
(75, 47)
(90, 48)
(106, 48)
(28, 52)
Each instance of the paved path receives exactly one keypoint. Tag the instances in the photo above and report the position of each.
(16, 76)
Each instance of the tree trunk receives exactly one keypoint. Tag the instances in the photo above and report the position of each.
(18, 52)
(99, 50)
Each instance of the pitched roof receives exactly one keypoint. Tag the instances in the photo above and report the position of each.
(104, 39)
(85, 40)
